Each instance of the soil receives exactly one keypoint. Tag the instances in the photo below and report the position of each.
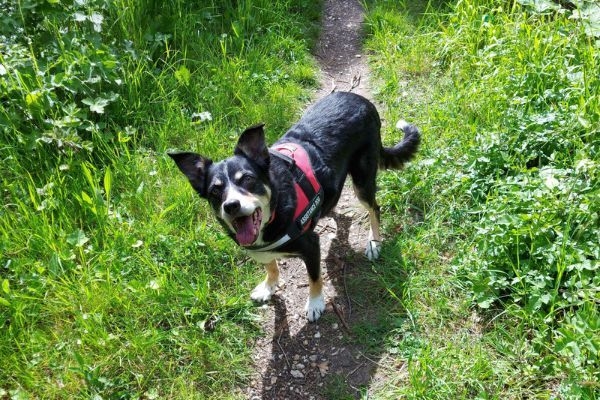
(339, 49)
(296, 359)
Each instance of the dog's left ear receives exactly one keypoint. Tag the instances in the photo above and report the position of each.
(252, 145)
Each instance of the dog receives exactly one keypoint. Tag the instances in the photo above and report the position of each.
(269, 199)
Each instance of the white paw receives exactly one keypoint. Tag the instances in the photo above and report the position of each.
(315, 307)
(373, 250)
(263, 291)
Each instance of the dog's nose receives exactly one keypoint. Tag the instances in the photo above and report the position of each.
(231, 206)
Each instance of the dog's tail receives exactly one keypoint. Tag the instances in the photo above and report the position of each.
(395, 157)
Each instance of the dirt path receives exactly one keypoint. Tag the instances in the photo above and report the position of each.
(300, 360)
(339, 50)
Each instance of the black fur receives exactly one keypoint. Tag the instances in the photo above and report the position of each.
(340, 133)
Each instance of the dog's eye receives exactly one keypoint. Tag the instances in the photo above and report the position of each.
(247, 180)
(215, 192)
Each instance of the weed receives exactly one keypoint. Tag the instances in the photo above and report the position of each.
(506, 190)
(112, 284)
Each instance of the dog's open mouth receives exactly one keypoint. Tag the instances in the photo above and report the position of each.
(247, 227)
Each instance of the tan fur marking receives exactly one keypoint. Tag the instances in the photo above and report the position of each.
(272, 273)
(374, 233)
(315, 288)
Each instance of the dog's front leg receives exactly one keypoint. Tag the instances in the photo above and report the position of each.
(266, 288)
(315, 305)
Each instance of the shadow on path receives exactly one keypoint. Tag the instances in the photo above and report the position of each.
(338, 356)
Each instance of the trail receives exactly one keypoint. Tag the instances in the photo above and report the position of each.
(300, 360)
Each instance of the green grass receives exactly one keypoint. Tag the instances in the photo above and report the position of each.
(115, 283)
(501, 239)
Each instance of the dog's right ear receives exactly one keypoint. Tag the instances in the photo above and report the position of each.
(195, 167)
(252, 145)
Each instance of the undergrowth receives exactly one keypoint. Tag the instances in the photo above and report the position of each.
(508, 98)
(113, 284)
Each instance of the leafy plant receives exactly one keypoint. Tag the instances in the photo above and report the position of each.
(507, 185)
(112, 282)
(59, 72)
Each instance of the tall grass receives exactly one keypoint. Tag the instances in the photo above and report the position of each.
(509, 102)
(112, 286)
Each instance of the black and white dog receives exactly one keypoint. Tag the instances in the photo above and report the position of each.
(270, 199)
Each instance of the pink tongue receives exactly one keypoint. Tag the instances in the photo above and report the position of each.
(245, 231)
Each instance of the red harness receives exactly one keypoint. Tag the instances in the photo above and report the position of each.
(309, 193)
(301, 160)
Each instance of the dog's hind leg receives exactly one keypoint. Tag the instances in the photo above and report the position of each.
(374, 244)
(364, 183)
(373, 248)
(266, 288)
(311, 255)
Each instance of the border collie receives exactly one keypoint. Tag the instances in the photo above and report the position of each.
(270, 199)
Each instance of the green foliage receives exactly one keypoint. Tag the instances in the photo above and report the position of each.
(533, 169)
(59, 73)
(508, 97)
(113, 284)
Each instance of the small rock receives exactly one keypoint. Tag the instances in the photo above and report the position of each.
(318, 335)
(273, 380)
(313, 358)
(334, 326)
(300, 366)
(323, 368)
(297, 374)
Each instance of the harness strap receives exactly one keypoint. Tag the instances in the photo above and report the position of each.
(309, 193)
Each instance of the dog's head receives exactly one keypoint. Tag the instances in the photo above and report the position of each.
(237, 188)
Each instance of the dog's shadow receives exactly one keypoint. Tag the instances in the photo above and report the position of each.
(339, 356)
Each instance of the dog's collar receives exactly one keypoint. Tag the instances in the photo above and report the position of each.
(309, 194)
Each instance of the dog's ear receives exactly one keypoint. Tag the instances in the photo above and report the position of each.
(252, 145)
(195, 167)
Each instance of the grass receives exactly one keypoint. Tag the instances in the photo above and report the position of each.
(506, 204)
(115, 284)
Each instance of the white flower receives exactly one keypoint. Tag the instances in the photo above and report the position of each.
(203, 116)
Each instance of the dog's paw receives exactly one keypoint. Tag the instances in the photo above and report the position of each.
(373, 250)
(263, 292)
(314, 307)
